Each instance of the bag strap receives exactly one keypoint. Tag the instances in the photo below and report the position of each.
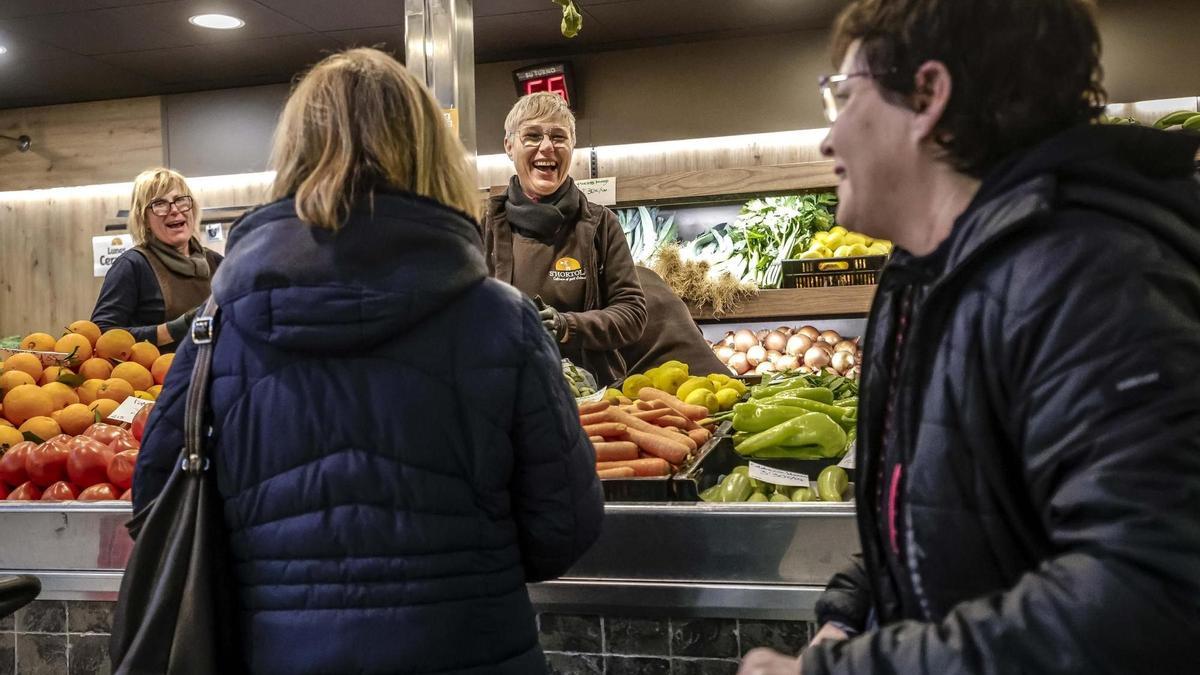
(203, 333)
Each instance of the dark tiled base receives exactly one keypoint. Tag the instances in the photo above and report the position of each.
(43, 654)
(57, 638)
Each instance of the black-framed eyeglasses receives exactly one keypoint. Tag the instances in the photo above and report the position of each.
(532, 138)
(831, 95)
(162, 207)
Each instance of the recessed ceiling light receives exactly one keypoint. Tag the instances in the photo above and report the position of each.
(216, 21)
(3, 49)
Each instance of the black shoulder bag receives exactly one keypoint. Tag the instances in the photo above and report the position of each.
(177, 610)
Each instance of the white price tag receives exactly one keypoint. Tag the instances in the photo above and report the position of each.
(602, 191)
(777, 476)
(129, 409)
(851, 452)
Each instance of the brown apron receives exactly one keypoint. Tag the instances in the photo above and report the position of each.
(180, 294)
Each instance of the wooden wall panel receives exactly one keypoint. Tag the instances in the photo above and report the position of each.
(82, 143)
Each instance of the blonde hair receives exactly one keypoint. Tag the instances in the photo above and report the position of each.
(540, 106)
(150, 185)
(359, 122)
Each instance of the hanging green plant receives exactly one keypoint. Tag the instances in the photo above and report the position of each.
(572, 20)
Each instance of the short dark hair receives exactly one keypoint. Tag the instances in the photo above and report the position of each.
(1022, 70)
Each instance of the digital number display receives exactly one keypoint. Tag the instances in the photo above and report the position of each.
(555, 78)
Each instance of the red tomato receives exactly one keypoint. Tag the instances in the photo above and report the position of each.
(61, 439)
(3, 491)
(139, 422)
(120, 469)
(100, 492)
(12, 463)
(124, 443)
(61, 491)
(47, 464)
(28, 492)
(105, 433)
(127, 496)
(87, 463)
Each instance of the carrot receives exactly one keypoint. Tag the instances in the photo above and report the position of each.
(605, 429)
(641, 425)
(673, 451)
(700, 436)
(596, 439)
(671, 421)
(624, 400)
(593, 418)
(617, 472)
(594, 406)
(692, 412)
(615, 451)
(652, 415)
(641, 467)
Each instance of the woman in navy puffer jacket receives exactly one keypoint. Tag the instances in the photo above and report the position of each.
(395, 444)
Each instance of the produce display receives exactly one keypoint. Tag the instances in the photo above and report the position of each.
(801, 417)
(832, 485)
(714, 393)
(785, 350)
(55, 394)
(653, 436)
(839, 242)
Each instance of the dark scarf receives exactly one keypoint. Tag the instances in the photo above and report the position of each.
(195, 264)
(543, 218)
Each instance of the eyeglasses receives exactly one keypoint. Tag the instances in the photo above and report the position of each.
(532, 138)
(162, 207)
(831, 95)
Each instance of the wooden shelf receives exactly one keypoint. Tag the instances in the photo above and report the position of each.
(726, 182)
(791, 303)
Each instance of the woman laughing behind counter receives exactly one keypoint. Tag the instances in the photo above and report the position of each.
(544, 237)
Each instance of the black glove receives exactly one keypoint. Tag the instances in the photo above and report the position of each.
(179, 326)
(554, 323)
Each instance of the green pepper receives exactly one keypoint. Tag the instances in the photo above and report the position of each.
(790, 452)
(780, 497)
(736, 488)
(809, 429)
(803, 494)
(851, 402)
(832, 483)
(798, 387)
(837, 413)
(712, 494)
(757, 497)
(756, 416)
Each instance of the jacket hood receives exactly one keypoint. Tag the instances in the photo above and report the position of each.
(1142, 175)
(395, 262)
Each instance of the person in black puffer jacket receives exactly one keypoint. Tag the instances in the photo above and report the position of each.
(1028, 465)
(396, 447)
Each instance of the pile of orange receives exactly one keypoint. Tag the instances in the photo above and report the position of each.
(100, 371)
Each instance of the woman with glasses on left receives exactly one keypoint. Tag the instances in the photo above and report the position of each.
(154, 289)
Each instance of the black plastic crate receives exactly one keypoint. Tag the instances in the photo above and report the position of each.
(827, 272)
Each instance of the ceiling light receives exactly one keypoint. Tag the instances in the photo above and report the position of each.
(216, 21)
(3, 49)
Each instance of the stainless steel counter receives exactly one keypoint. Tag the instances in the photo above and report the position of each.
(756, 561)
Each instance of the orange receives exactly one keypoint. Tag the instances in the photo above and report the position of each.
(114, 389)
(42, 427)
(4, 422)
(13, 379)
(155, 391)
(26, 401)
(74, 419)
(9, 437)
(115, 344)
(26, 362)
(161, 365)
(52, 373)
(62, 394)
(87, 329)
(96, 369)
(76, 346)
(135, 374)
(87, 390)
(104, 407)
(144, 353)
(38, 342)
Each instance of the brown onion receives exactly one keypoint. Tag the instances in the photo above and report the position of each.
(756, 355)
(816, 357)
(739, 364)
(725, 353)
(797, 344)
(854, 373)
(811, 332)
(786, 330)
(775, 341)
(845, 346)
(787, 363)
(765, 367)
(743, 340)
(762, 334)
(773, 355)
(842, 361)
(823, 345)
(830, 337)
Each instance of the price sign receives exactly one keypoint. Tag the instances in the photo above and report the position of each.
(851, 452)
(129, 409)
(775, 476)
